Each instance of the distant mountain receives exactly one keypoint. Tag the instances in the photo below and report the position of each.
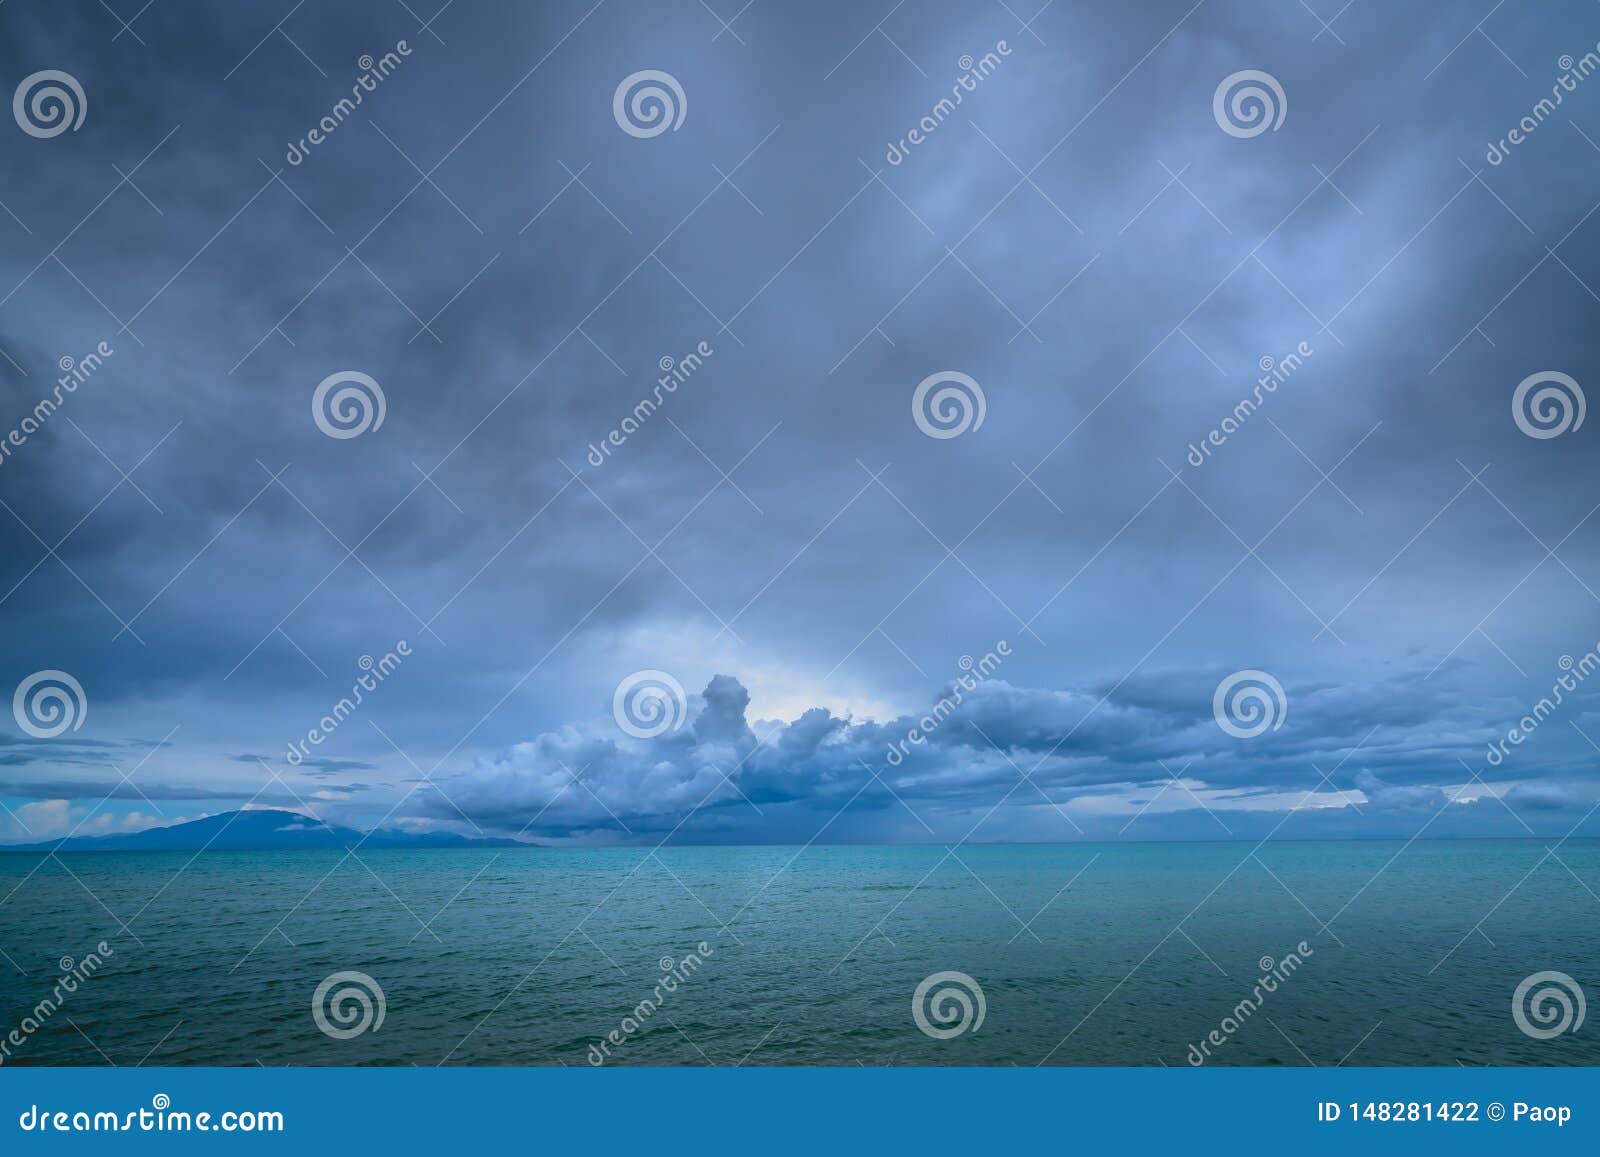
(258, 831)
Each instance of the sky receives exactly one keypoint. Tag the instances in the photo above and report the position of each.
(813, 541)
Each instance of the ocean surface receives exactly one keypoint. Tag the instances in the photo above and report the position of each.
(1125, 954)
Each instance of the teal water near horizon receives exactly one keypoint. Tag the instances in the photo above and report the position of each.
(1117, 954)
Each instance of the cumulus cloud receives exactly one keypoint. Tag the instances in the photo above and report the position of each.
(48, 818)
(1382, 796)
(1548, 797)
(721, 774)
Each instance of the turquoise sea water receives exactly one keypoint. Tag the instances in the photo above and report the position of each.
(1112, 954)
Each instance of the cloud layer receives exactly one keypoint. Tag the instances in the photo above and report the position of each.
(1080, 238)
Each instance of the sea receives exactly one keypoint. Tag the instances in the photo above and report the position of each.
(1316, 953)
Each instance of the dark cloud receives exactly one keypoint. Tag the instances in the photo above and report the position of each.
(781, 517)
(977, 743)
(89, 789)
(1386, 797)
(312, 765)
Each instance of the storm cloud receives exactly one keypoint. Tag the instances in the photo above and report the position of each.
(1081, 237)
